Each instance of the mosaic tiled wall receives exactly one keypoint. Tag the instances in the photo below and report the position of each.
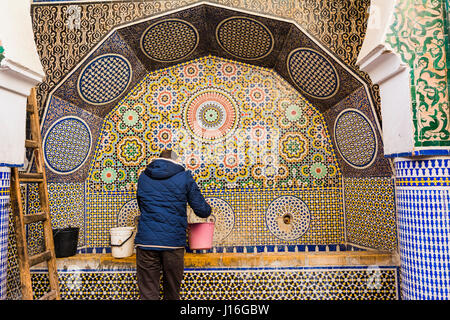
(245, 134)
(423, 204)
(276, 119)
(370, 214)
(261, 150)
(254, 215)
(419, 34)
(233, 125)
(368, 185)
(104, 210)
(329, 283)
(67, 208)
(12, 275)
(65, 33)
(244, 216)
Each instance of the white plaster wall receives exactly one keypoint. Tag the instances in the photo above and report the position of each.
(386, 69)
(20, 70)
(16, 33)
(12, 127)
(380, 16)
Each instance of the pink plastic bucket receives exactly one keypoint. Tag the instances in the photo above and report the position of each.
(200, 235)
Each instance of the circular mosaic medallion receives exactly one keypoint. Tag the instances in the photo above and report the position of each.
(130, 118)
(244, 38)
(288, 218)
(131, 151)
(211, 114)
(355, 138)
(169, 40)
(128, 214)
(67, 145)
(104, 79)
(313, 73)
(293, 147)
(223, 217)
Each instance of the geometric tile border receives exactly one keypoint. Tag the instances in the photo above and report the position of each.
(322, 283)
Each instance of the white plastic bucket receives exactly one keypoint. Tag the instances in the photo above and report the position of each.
(122, 241)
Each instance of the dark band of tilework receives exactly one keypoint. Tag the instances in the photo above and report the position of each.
(423, 182)
(328, 283)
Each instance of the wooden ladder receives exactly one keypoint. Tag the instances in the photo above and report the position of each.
(25, 260)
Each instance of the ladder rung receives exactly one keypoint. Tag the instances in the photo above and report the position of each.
(40, 257)
(36, 217)
(31, 144)
(31, 177)
(51, 295)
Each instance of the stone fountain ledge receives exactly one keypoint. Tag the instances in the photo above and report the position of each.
(105, 261)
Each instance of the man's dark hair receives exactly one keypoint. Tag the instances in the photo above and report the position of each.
(167, 154)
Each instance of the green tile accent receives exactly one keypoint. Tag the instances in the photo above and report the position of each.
(2, 55)
(419, 34)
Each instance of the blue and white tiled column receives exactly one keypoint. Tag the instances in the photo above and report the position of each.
(423, 209)
(4, 216)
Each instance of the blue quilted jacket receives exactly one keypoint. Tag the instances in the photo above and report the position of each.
(163, 191)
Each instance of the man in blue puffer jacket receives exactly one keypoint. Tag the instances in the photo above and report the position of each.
(163, 191)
